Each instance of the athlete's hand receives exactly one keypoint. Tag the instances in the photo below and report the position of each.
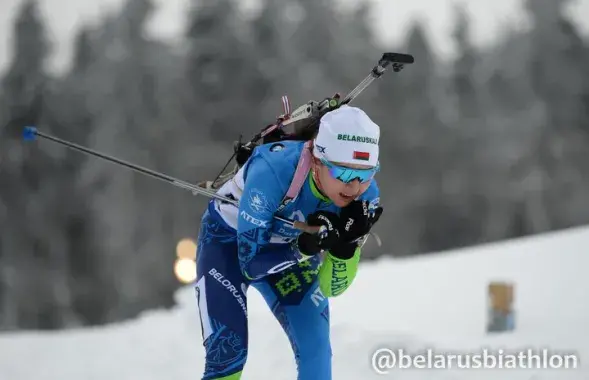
(312, 244)
(357, 219)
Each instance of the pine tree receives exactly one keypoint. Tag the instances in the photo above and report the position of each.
(220, 69)
(33, 250)
(558, 66)
(464, 67)
(129, 211)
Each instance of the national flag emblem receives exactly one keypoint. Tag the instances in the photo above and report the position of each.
(364, 156)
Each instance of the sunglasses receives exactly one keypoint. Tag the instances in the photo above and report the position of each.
(347, 175)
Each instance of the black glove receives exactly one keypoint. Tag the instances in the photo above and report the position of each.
(356, 221)
(312, 244)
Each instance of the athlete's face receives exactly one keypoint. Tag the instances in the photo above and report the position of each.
(339, 192)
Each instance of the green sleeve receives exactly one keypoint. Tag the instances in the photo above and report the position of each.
(336, 275)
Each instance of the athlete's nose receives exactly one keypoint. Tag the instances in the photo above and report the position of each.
(353, 186)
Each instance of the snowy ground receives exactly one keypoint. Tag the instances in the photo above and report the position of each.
(431, 302)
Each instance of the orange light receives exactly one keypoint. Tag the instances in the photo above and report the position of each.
(185, 270)
(186, 249)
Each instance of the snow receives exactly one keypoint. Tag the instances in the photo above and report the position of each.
(435, 301)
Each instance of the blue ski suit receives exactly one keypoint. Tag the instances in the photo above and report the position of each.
(243, 246)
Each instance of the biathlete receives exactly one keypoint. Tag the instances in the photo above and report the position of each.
(326, 181)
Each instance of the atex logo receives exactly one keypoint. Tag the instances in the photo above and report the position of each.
(252, 220)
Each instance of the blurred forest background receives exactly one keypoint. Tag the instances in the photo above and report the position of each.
(492, 145)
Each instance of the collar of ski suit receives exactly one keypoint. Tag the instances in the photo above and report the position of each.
(316, 192)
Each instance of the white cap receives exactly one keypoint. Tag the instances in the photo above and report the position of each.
(347, 135)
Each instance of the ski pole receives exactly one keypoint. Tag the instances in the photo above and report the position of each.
(30, 134)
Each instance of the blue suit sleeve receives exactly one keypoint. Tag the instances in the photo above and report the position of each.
(262, 194)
